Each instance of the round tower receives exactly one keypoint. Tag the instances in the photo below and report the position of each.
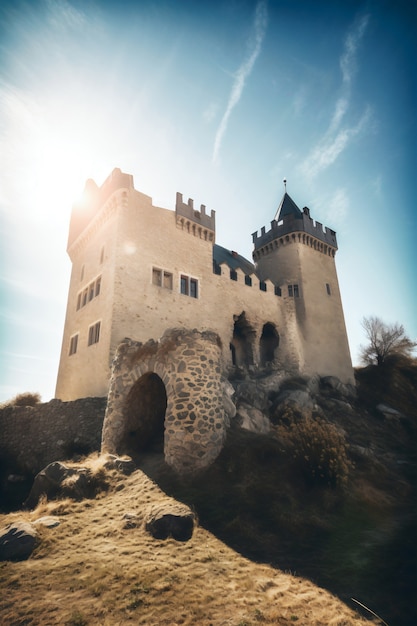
(298, 254)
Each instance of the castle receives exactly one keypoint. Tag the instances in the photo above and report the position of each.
(138, 270)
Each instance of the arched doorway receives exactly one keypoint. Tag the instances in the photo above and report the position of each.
(268, 343)
(241, 345)
(144, 416)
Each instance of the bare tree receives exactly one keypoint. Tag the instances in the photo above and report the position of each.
(384, 340)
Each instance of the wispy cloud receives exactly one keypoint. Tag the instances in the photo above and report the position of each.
(260, 24)
(337, 138)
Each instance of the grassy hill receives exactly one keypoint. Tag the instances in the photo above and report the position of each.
(274, 536)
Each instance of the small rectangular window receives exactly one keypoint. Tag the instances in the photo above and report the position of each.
(329, 292)
(85, 295)
(184, 285)
(98, 285)
(262, 285)
(290, 292)
(94, 334)
(277, 290)
(79, 300)
(73, 344)
(189, 286)
(156, 277)
(233, 274)
(91, 291)
(193, 288)
(293, 291)
(296, 294)
(248, 280)
(167, 280)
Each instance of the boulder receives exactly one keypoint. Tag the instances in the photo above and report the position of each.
(298, 403)
(48, 482)
(172, 519)
(252, 419)
(49, 521)
(333, 384)
(17, 541)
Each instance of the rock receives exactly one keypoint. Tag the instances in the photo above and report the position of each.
(17, 541)
(171, 519)
(388, 412)
(48, 482)
(334, 384)
(251, 393)
(49, 521)
(124, 465)
(252, 419)
(297, 402)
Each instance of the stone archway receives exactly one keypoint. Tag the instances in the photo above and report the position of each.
(144, 416)
(269, 342)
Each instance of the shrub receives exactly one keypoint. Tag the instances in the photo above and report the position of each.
(28, 398)
(318, 451)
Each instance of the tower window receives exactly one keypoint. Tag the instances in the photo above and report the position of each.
(262, 285)
(329, 291)
(233, 274)
(98, 285)
(94, 334)
(293, 291)
(189, 286)
(73, 344)
(248, 280)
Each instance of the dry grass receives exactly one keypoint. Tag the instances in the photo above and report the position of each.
(92, 570)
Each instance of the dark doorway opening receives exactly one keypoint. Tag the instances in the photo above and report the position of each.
(144, 415)
(241, 345)
(268, 344)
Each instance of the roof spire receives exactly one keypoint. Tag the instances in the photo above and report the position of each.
(285, 185)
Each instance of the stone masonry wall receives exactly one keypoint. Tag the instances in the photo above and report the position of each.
(33, 437)
(198, 408)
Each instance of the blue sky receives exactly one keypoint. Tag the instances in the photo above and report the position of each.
(220, 101)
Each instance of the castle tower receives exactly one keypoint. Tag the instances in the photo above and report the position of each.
(298, 254)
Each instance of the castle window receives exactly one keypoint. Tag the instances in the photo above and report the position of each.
(248, 280)
(73, 344)
(160, 278)
(157, 277)
(85, 295)
(293, 291)
(79, 300)
(94, 334)
(98, 285)
(167, 280)
(91, 291)
(189, 286)
(277, 290)
(262, 285)
(329, 292)
(216, 268)
(233, 274)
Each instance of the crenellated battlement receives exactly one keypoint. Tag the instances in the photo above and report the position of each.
(305, 229)
(187, 218)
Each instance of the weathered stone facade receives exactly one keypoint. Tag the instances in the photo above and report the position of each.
(171, 388)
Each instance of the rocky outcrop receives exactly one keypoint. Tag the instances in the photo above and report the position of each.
(18, 541)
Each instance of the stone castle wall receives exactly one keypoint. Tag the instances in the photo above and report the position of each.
(174, 387)
(32, 437)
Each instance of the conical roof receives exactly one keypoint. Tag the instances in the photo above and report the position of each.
(286, 207)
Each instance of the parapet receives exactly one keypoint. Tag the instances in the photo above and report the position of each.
(186, 212)
(292, 224)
